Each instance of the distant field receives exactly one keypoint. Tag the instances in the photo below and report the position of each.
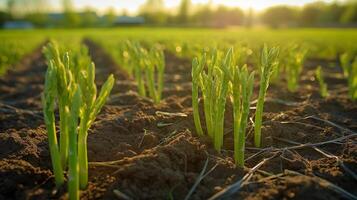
(325, 43)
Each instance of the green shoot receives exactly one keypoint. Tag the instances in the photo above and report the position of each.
(214, 84)
(197, 68)
(148, 68)
(345, 60)
(352, 80)
(48, 100)
(52, 54)
(90, 108)
(350, 71)
(322, 83)
(242, 89)
(72, 81)
(267, 66)
(217, 78)
(73, 175)
(206, 85)
(136, 52)
(154, 67)
(221, 89)
(294, 66)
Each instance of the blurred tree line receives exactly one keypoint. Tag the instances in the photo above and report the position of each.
(208, 15)
(155, 13)
(39, 13)
(317, 14)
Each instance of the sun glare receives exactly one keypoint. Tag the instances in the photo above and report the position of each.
(133, 5)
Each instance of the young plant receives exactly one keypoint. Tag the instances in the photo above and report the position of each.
(345, 60)
(154, 69)
(48, 101)
(137, 65)
(350, 72)
(71, 81)
(220, 86)
(268, 63)
(213, 83)
(217, 78)
(206, 81)
(148, 68)
(294, 66)
(197, 68)
(90, 108)
(352, 80)
(242, 88)
(322, 83)
(73, 169)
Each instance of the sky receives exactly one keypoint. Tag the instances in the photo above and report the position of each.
(132, 5)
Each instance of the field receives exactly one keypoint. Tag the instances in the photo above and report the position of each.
(147, 147)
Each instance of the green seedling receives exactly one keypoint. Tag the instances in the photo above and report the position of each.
(242, 89)
(268, 63)
(322, 83)
(70, 81)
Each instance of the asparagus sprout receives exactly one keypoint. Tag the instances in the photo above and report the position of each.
(294, 66)
(73, 176)
(352, 80)
(221, 90)
(267, 66)
(148, 68)
(48, 100)
(345, 60)
(350, 72)
(71, 81)
(197, 68)
(322, 83)
(213, 83)
(242, 88)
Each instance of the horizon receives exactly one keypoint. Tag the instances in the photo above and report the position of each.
(132, 7)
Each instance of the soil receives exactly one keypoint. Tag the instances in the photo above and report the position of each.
(137, 151)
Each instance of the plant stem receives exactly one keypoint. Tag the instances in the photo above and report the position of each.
(258, 117)
(196, 114)
(48, 101)
(73, 176)
(150, 73)
(246, 83)
(267, 66)
(219, 118)
(139, 80)
(160, 76)
(83, 156)
(64, 135)
(54, 151)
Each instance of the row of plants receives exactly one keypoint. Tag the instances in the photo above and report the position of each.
(12, 49)
(146, 66)
(219, 77)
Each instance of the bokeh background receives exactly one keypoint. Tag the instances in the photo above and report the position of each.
(28, 14)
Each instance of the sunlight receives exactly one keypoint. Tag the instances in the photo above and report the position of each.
(133, 5)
